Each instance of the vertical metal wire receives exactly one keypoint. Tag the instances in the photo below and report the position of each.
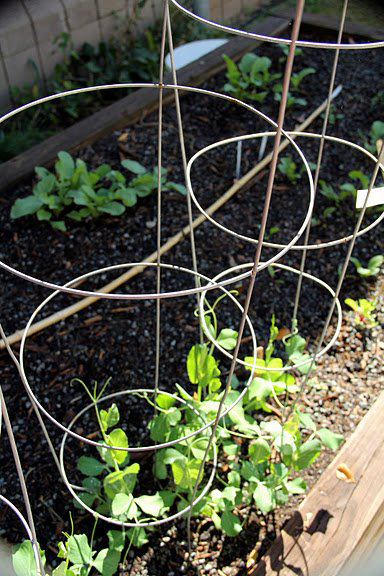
(268, 195)
(342, 275)
(183, 156)
(319, 159)
(158, 229)
(19, 469)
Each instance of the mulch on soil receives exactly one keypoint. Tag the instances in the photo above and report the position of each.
(117, 338)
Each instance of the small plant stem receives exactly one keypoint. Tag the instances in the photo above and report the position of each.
(129, 546)
(91, 542)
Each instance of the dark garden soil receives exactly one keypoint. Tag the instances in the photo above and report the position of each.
(117, 338)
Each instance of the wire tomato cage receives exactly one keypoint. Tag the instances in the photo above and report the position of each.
(200, 285)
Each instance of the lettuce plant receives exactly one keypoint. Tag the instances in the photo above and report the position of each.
(75, 193)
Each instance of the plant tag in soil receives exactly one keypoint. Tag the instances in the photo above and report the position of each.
(376, 197)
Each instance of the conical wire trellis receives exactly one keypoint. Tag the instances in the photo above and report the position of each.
(200, 285)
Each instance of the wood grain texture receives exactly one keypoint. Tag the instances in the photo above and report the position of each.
(329, 23)
(128, 110)
(338, 524)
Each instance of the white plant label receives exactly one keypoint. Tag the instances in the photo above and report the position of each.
(376, 197)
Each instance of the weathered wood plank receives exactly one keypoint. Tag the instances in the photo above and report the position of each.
(329, 23)
(338, 524)
(129, 109)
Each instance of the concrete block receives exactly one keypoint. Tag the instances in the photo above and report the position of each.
(145, 18)
(89, 33)
(216, 10)
(108, 7)
(16, 33)
(19, 67)
(113, 25)
(80, 13)
(231, 9)
(49, 57)
(48, 19)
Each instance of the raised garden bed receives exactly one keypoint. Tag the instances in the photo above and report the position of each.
(117, 339)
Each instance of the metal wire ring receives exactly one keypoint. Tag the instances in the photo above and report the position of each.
(119, 296)
(144, 448)
(284, 247)
(284, 368)
(274, 39)
(35, 547)
(135, 524)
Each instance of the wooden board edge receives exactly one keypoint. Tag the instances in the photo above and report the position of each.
(318, 540)
(332, 24)
(129, 109)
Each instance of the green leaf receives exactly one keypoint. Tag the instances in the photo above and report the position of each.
(230, 524)
(25, 206)
(124, 504)
(90, 466)
(23, 559)
(201, 366)
(295, 343)
(43, 215)
(58, 225)
(151, 505)
(259, 451)
(307, 422)
(117, 437)
(61, 570)
(92, 484)
(376, 261)
(110, 417)
(65, 166)
(116, 481)
(227, 338)
(113, 208)
(79, 551)
(296, 486)
(263, 498)
(330, 439)
(180, 188)
(307, 454)
(165, 402)
(128, 196)
(134, 167)
(137, 536)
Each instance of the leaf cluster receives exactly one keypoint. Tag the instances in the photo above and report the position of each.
(75, 193)
(364, 312)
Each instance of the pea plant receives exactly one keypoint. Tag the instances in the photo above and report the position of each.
(261, 452)
(75, 193)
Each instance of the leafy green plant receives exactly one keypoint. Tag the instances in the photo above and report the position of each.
(76, 193)
(78, 558)
(376, 133)
(288, 168)
(372, 268)
(250, 80)
(364, 317)
(298, 77)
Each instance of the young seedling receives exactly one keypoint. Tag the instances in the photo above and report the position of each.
(372, 269)
(364, 317)
(251, 79)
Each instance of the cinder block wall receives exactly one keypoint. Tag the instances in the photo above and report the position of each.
(28, 29)
(225, 10)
